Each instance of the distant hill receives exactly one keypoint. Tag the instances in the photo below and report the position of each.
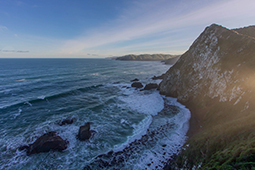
(215, 79)
(146, 57)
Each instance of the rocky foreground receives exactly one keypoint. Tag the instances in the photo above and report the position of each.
(215, 79)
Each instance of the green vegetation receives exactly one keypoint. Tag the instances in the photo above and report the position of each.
(228, 143)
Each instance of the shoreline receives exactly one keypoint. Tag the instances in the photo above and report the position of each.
(194, 128)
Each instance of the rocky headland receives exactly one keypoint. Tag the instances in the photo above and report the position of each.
(166, 58)
(215, 79)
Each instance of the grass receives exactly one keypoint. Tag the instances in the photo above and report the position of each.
(228, 143)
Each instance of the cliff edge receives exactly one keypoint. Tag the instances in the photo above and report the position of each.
(215, 79)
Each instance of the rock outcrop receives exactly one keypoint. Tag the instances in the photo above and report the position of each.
(151, 86)
(65, 122)
(45, 143)
(215, 80)
(217, 65)
(84, 132)
(158, 77)
(137, 85)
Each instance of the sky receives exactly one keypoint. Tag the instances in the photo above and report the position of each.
(106, 28)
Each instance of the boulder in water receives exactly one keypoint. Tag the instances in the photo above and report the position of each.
(84, 132)
(137, 85)
(135, 80)
(151, 86)
(47, 142)
(65, 122)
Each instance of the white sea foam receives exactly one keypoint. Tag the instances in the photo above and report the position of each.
(144, 103)
(17, 114)
(28, 104)
(21, 80)
(139, 130)
(41, 97)
(172, 140)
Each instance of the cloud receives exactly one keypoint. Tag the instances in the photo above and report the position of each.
(3, 28)
(152, 18)
(14, 51)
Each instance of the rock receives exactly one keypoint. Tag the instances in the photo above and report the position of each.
(137, 85)
(158, 77)
(21, 148)
(135, 80)
(47, 142)
(65, 122)
(151, 86)
(84, 132)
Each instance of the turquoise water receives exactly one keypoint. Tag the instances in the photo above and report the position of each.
(37, 93)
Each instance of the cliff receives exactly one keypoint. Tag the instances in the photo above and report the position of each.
(146, 57)
(215, 79)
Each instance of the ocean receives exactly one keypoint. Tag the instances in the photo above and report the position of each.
(133, 129)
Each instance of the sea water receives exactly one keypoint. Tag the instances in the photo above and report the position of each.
(133, 129)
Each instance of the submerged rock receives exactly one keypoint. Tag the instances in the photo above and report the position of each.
(21, 148)
(65, 122)
(84, 132)
(45, 143)
(135, 80)
(151, 86)
(137, 85)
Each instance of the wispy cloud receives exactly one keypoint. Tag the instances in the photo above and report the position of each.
(152, 18)
(3, 28)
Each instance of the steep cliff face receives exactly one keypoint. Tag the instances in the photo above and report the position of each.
(215, 78)
(219, 64)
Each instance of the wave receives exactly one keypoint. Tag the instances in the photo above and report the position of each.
(54, 96)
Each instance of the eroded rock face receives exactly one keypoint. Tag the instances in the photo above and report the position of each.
(137, 85)
(212, 67)
(47, 142)
(84, 132)
(216, 72)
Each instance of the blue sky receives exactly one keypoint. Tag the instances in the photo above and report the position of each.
(103, 28)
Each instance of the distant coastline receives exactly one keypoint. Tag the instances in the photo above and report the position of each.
(165, 58)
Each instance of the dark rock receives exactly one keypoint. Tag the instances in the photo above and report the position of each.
(84, 132)
(65, 122)
(137, 85)
(164, 145)
(47, 142)
(150, 86)
(21, 148)
(135, 80)
(158, 77)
